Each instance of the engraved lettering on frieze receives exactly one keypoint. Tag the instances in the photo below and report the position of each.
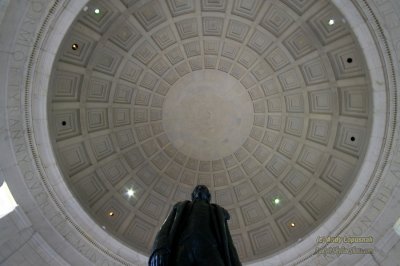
(395, 170)
(18, 143)
(19, 148)
(35, 186)
(14, 112)
(380, 2)
(29, 175)
(16, 134)
(31, 19)
(63, 227)
(57, 219)
(12, 123)
(37, 6)
(392, 178)
(87, 251)
(380, 201)
(13, 95)
(42, 199)
(82, 246)
(361, 226)
(392, 20)
(23, 158)
(375, 207)
(365, 221)
(25, 37)
(24, 40)
(388, 14)
(19, 56)
(14, 79)
(397, 48)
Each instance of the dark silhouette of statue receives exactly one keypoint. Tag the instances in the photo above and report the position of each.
(195, 233)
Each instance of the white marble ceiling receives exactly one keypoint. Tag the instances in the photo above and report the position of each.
(301, 83)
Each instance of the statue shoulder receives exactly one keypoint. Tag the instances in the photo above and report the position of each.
(181, 204)
(226, 214)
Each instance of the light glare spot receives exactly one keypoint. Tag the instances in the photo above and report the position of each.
(130, 192)
(331, 22)
(396, 227)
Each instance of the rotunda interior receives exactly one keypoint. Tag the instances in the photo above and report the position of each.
(113, 111)
(265, 102)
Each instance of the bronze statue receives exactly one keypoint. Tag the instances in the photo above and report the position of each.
(195, 233)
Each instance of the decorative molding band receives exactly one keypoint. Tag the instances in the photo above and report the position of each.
(34, 57)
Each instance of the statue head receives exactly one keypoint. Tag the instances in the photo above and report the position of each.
(200, 192)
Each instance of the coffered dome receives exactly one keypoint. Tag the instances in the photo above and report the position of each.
(265, 102)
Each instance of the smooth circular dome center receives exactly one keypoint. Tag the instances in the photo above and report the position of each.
(207, 115)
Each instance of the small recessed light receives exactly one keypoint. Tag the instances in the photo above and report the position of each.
(292, 224)
(277, 200)
(349, 60)
(64, 123)
(111, 213)
(352, 138)
(331, 22)
(97, 11)
(130, 193)
(75, 46)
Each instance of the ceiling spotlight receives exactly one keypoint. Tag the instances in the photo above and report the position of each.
(292, 224)
(130, 193)
(111, 213)
(75, 46)
(331, 22)
(97, 11)
(277, 200)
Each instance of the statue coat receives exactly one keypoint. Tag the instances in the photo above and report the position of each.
(168, 236)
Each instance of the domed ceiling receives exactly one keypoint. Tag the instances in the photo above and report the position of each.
(265, 102)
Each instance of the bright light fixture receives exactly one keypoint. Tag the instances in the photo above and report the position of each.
(331, 22)
(277, 200)
(130, 193)
(8, 203)
(97, 11)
